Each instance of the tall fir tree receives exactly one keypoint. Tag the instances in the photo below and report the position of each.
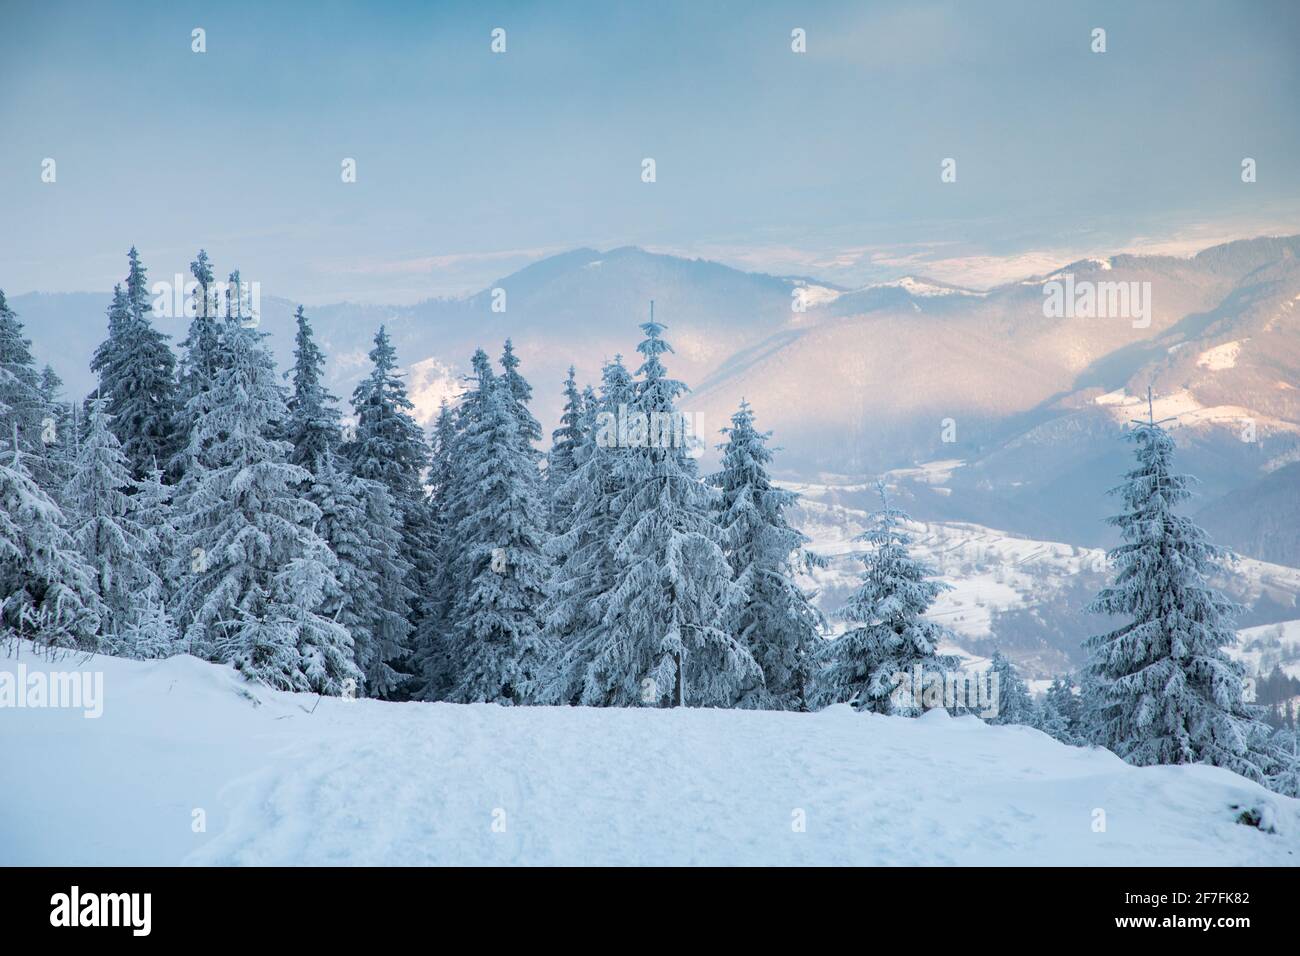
(1164, 690)
(521, 393)
(390, 447)
(583, 553)
(107, 359)
(497, 641)
(156, 514)
(313, 424)
(60, 432)
(431, 660)
(560, 460)
(201, 357)
(47, 592)
(358, 522)
(120, 550)
(137, 375)
(254, 574)
(775, 618)
(889, 634)
(439, 651)
(528, 430)
(23, 403)
(1014, 705)
(664, 639)
(371, 599)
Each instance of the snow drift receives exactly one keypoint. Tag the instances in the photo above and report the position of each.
(189, 764)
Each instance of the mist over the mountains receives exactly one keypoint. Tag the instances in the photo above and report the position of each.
(1030, 408)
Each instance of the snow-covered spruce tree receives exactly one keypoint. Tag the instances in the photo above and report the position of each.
(1059, 712)
(253, 574)
(24, 403)
(1091, 704)
(299, 591)
(521, 393)
(1164, 690)
(776, 618)
(117, 547)
(372, 599)
(357, 521)
(663, 637)
(888, 634)
(583, 551)
(152, 502)
(560, 460)
(496, 634)
(313, 424)
(388, 629)
(201, 359)
(430, 661)
(20, 382)
(47, 593)
(234, 300)
(389, 447)
(137, 375)
(528, 429)
(436, 642)
(1015, 706)
(107, 359)
(60, 432)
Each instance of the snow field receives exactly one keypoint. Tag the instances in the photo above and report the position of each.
(286, 778)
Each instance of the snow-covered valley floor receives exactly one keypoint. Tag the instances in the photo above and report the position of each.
(280, 778)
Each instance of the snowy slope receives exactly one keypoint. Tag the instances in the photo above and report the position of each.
(284, 779)
(994, 573)
(1268, 646)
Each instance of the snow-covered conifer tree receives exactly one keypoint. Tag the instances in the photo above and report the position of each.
(521, 393)
(47, 592)
(201, 358)
(1058, 712)
(23, 403)
(325, 651)
(776, 618)
(115, 545)
(153, 510)
(390, 447)
(1165, 692)
(583, 552)
(565, 441)
(663, 633)
(1015, 705)
(253, 574)
(449, 481)
(137, 376)
(528, 429)
(60, 433)
(372, 599)
(497, 643)
(889, 634)
(313, 425)
(358, 522)
(431, 659)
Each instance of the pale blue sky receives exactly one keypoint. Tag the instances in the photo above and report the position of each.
(471, 164)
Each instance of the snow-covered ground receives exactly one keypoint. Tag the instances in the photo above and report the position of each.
(1268, 646)
(989, 570)
(286, 779)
